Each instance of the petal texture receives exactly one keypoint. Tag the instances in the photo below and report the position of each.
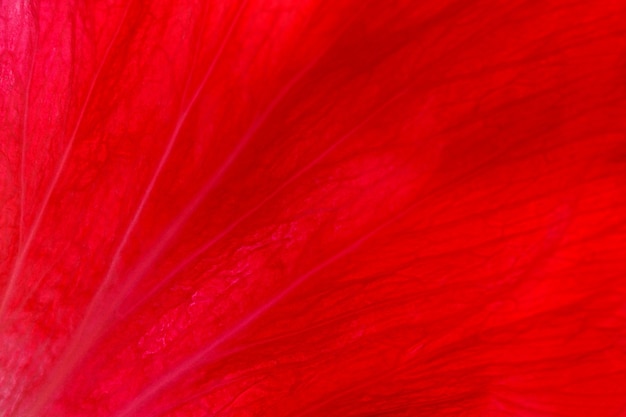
(312, 208)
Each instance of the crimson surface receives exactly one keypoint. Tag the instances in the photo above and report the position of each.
(346, 208)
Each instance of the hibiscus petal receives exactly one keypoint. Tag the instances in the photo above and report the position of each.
(333, 208)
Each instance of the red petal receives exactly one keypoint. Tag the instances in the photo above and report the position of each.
(312, 208)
